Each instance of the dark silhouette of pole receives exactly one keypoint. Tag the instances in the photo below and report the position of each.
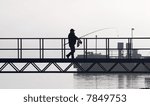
(132, 30)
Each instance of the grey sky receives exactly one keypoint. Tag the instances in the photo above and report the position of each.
(53, 18)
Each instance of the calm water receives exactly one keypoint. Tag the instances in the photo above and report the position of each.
(112, 81)
(74, 81)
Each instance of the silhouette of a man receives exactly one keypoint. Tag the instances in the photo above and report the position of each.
(72, 41)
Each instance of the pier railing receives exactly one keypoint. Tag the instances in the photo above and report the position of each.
(43, 48)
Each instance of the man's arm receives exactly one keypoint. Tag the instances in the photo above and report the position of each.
(76, 37)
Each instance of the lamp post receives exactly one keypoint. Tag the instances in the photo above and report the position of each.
(131, 52)
(132, 29)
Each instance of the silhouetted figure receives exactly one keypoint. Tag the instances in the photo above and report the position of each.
(72, 41)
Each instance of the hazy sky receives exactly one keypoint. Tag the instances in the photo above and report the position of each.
(54, 18)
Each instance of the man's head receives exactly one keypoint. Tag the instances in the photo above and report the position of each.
(72, 30)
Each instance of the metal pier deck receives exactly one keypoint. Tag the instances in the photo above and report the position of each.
(70, 63)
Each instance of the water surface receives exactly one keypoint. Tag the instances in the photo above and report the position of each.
(74, 81)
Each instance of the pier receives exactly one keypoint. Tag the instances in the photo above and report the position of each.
(34, 52)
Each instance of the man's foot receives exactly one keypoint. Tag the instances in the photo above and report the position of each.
(67, 56)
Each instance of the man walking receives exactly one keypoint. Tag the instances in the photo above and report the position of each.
(72, 41)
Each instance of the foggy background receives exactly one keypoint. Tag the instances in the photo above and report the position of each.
(54, 18)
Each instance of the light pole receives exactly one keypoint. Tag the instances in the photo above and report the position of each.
(132, 29)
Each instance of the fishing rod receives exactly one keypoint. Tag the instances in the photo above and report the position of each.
(90, 33)
(94, 32)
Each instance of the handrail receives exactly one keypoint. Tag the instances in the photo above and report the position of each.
(41, 47)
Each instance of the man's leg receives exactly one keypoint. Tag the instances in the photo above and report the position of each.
(72, 51)
(68, 55)
(72, 55)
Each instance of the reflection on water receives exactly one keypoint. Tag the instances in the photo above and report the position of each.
(111, 81)
(74, 81)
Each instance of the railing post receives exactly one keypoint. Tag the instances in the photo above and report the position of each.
(21, 48)
(84, 50)
(64, 48)
(86, 47)
(42, 48)
(108, 48)
(18, 52)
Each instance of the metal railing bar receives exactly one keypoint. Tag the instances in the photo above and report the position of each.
(69, 49)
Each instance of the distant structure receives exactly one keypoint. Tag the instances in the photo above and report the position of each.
(130, 53)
